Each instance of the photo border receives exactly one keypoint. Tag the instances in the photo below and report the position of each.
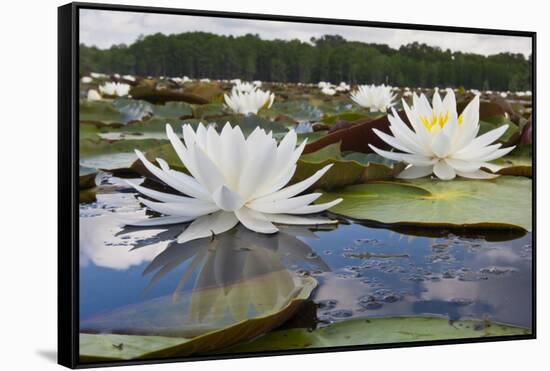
(68, 170)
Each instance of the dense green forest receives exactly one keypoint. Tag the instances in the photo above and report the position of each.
(329, 58)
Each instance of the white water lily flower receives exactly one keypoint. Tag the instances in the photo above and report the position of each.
(93, 95)
(440, 141)
(375, 98)
(257, 83)
(233, 179)
(343, 87)
(86, 79)
(204, 80)
(97, 75)
(115, 88)
(249, 103)
(129, 78)
(235, 81)
(328, 91)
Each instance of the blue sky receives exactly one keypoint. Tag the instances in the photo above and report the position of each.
(105, 28)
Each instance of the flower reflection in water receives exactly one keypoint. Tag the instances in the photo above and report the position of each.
(233, 277)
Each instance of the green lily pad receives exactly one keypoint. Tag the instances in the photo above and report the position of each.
(105, 347)
(344, 171)
(518, 162)
(173, 110)
(94, 147)
(347, 116)
(99, 111)
(504, 202)
(509, 135)
(382, 330)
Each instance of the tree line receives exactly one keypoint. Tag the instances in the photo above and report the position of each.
(328, 58)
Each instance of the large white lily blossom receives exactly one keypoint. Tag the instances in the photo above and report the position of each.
(249, 103)
(115, 88)
(375, 98)
(440, 141)
(233, 179)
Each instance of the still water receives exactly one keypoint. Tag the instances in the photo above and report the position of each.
(138, 280)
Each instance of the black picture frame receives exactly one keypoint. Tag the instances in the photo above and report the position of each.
(68, 160)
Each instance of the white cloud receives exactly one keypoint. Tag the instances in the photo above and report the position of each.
(105, 28)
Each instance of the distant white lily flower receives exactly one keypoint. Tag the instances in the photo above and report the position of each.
(116, 76)
(249, 103)
(204, 80)
(243, 87)
(115, 88)
(441, 142)
(343, 87)
(257, 83)
(324, 84)
(503, 94)
(375, 98)
(407, 93)
(129, 78)
(97, 75)
(232, 180)
(328, 91)
(86, 79)
(93, 95)
(475, 91)
(235, 81)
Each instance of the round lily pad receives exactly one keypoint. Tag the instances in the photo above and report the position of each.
(504, 202)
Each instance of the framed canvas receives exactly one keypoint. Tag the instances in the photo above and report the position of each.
(238, 185)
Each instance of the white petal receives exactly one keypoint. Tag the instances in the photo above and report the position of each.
(310, 209)
(186, 185)
(226, 199)
(413, 172)
(206, 172)
(207, 225)
(159, 196)
(294, 189)
(255, 221)
(498, 153)
(284, 205)
(480, 174)
(416, 160)
(441, 145)
(298, 220)
(444, 171)
(464, 166)
(486, 139)
(493, 167)
(191, 208)
(162, 220)
(393, 141)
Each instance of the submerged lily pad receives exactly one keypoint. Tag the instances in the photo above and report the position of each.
(381, 330)
(504, 202)
(103, 347)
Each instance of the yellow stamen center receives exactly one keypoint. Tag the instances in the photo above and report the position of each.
(436, 120)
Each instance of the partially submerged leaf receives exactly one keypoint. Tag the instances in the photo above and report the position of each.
(103, 347)
(504, 202)
(381, 330)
